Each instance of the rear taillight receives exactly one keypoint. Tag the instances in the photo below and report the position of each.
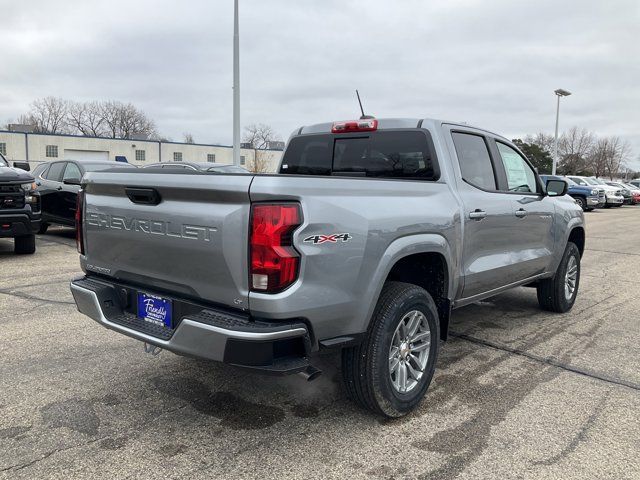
(368, 125)
(274, 261)
(79, 235)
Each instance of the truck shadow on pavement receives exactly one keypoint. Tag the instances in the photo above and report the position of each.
(475, 388)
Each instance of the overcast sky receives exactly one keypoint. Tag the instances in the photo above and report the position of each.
(490, 63)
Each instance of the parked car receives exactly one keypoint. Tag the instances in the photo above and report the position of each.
(199, 166)
(19, 206)
(58, 184)
(635, 192)
(635, 182)
(600, 181)
(371, 233)
(626, 192)
(613, 196)
(586, 197)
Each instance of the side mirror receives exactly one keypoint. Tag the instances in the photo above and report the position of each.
(22, 166)
(71, 181)
(556, 188)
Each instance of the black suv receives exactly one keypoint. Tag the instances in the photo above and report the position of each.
(58, 183)
(19, 206)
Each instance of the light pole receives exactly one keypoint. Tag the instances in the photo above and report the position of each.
(236, 86)
(559, 93)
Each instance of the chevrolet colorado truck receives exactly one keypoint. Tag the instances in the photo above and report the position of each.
(367, 238)
(19, 206)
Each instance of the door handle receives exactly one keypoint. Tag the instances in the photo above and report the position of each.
(59, 188)
(521, 213)
(477, 214)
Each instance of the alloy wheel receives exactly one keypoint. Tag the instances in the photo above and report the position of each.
(409, 351)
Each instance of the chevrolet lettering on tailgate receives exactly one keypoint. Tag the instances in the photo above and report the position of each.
(152, 227)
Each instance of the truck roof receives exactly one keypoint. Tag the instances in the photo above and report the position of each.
(388, 123)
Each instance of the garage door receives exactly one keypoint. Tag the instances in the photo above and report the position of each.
(85, 155)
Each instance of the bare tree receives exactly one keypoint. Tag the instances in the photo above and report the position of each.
(261, 162)
(87, 119)
(188, 138)
(573, 148)
(616, 155)
(48, 115)
(110, 114)
(545, 141)
(108, 118)
(134, 122)
(597, 158)
(608, 156)
(125, 120)
(259, 136)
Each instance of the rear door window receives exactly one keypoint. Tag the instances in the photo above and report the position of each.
(475, 161)
(384, 154)
(41, 170)
(55, 171)
(72, 171)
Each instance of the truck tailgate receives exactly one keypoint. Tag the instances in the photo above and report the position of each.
(193, 242)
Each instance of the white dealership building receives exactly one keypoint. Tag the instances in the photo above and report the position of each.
(18, 144)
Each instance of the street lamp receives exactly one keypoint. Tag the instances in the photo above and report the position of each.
(236, 86)
(559, 93)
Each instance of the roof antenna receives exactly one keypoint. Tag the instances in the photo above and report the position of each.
(363, 117)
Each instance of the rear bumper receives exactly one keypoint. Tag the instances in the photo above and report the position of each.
(17, 224)
(277, 348)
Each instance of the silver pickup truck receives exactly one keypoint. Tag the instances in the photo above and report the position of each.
(366, 239)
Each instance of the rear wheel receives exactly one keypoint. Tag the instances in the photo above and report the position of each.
(558, 294)
(24, 244)
(390, 371)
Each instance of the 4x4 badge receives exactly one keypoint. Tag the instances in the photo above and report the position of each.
(315, 239)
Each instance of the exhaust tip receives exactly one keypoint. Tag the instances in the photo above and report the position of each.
(310, 373)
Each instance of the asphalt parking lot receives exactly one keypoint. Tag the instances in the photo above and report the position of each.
(518, 393)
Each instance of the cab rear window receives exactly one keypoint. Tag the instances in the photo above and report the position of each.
(382, 154)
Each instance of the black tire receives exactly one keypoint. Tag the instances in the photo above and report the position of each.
(25, 244)
(365, 368)
(43, 228)
(582, 202)
(551, 291)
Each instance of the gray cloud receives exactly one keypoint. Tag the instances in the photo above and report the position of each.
(494, 64)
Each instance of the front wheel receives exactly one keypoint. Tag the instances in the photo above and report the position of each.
(390, 371)
(558, 294)
(25, 244)
(582, 202)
